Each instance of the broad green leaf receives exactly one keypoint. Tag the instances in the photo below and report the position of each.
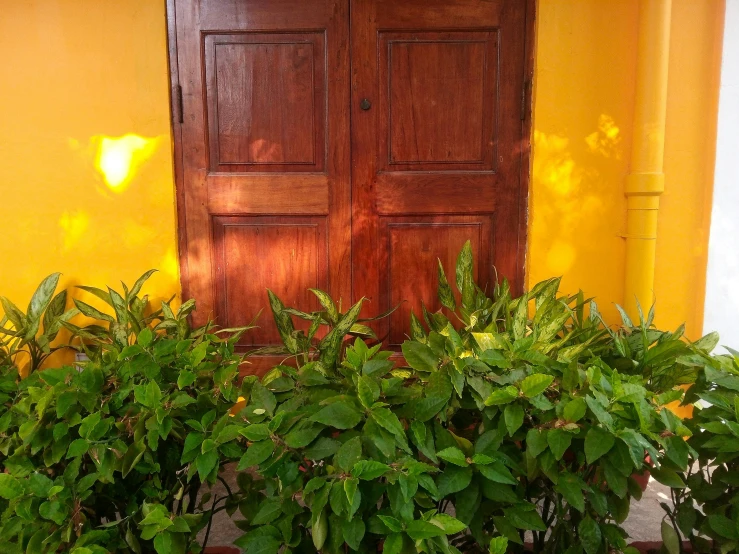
(536, 442)
(367, 470)
(10, 487)
(453, 455)
(502, 396)
(393, 544)
(340, 415)
(419, 356)
(535, 384)
(597, 443)
(419, 530)
(353, 532)
(527, 519)
(559, 441)
(349, 454)
(453, 479)
(448, 524)
(668, 477)
(590, 535)
(368, 391)
(256, 454)
(513, 415)
(498, 545)
(575, 410)
(570, 487)
(670, 538)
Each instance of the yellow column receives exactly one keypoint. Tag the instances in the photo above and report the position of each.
(645, 182)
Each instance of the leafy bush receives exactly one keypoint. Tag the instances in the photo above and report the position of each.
(706, 512)
(110, 457)
(514, 415)
(562, 408)
(336, 467)
(32, 333)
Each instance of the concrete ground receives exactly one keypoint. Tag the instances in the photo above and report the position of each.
(643, 523)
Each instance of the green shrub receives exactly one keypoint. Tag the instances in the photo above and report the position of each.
(706, 512)
(110, 457)
(32, 333)
(513, 415)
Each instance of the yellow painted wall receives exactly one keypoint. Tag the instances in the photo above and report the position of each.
(584, 100)
(84, 91)
(80, 79)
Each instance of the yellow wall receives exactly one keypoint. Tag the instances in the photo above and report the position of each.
(81, 79)
(584, 100)
(85, 78)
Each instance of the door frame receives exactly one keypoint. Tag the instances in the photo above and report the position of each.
(175, 99)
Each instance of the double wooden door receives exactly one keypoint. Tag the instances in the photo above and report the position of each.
(346, 145)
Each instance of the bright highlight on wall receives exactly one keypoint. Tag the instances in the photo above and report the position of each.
(117, 158)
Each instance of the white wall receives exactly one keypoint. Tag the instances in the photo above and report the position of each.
(722, 286)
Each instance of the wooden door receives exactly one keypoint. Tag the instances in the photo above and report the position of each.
(274, 190)
(264, 178)
(438, 148)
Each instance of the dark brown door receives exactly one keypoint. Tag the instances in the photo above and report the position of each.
(436, 146)
(274, 190)
(265, 177)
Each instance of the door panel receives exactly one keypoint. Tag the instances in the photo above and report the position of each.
(436, 146)
(265, 156)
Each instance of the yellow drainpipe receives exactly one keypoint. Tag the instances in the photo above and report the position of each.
(646, 182)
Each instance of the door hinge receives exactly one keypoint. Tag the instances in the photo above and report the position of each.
(523, 100)
(180, 108)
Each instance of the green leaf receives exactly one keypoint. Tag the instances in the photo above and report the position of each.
(575, 410)
(513, 415)
(723, 526)
(454, 479)
(444, 291)
(570, 487)
(353, 532)
(668, 477)
(670, 538)
(10, 487)
(453, 455)
(256, 454)
(322, 448)
(368, 391)
(349, 454)
(256, 432)
(367, 470)
(536, 442)
(464, 266)
(41, 299)
(339, 415)
(328, 305)
(269, 510)
(502, 396)
(133, 455)
(419, 530)
(498, 545)
(393, 544)
(597, 443)
(600, 412)
(419, 356)
(303, 436)
(53, 510)
(388, 420)
(535, 384)
(78, 448)
(498, 473)
(559, 441)
(40, 485)
(590, 535)
(448, 524)
(319, 531)
(206, 462)
(527, 519)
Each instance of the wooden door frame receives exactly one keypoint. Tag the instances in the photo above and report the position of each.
(175, 99)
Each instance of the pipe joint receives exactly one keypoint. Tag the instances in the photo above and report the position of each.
(645, 184)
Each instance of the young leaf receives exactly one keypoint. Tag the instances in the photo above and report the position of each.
(535, 384)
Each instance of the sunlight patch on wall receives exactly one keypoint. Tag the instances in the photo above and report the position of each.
(117, 158)
(606, 141)
(74, 225)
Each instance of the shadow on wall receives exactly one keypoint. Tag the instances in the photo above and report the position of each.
(575, 224)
